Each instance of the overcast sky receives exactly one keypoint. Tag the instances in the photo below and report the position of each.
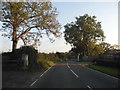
(106, 12)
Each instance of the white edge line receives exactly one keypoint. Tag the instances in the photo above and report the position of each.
(68, 65)
(46, 71)
(101, 72)
(41, 76)
(89, 87)
(74, 73)
(34, 82)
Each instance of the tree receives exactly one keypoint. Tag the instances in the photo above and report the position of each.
(105, 46)
(95, 49)
(108, 47)
(29, 21)
(115, 47)
(61, 55)
(83, 32)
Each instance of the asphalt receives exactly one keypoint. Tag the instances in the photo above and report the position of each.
(72, 74)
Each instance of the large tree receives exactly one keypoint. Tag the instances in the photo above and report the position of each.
(83, 33)
(29, 21)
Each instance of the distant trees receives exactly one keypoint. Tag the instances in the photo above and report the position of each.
(105, 46)
(29, 21)
(62, 55)
(108, 47)
(55, 57)
(48, 59)
(84, 35)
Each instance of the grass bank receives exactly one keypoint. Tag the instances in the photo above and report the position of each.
(108, 70)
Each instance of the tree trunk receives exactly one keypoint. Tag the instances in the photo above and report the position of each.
(14, 39)
(14, 45)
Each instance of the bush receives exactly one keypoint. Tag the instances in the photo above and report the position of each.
(44, 60)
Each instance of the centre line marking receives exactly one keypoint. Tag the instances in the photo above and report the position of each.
(74, 73)
(89, 87)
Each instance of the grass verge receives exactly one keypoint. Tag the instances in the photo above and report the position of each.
(108, 70)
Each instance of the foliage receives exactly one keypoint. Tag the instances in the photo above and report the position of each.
(62, 56)
(105, 46)
(108, 70)
(37, 61)
(47, 60)
(29, 21)
(108, 47)
(52, 56)
(95, 49)
(83, 34)
(45, 63)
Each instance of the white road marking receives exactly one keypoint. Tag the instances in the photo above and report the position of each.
(100, 72)
(89, 87)
(40, 76)
(34, 82)
(68, 65)
(74, 73)
(46, 71)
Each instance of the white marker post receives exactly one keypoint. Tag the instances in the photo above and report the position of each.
(78, 57)
(25, 60)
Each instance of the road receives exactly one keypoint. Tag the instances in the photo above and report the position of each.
(71, 74)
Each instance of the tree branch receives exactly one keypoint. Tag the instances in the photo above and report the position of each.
(23, 41)
(26, 31)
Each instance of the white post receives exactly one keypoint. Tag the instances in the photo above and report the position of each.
(25, 60)
(78, 57)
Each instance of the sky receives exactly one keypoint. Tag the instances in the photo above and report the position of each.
(106, 13)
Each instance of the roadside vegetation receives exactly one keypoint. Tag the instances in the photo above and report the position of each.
(108, 70)
(37, 61)
(108, 63)
(47, 60)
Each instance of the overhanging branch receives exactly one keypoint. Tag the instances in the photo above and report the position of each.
(26, 31)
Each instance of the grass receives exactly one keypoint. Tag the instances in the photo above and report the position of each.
(108, 70)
